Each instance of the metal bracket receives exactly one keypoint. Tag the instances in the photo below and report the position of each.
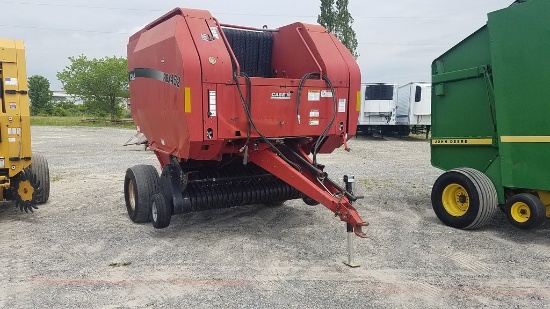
(172, 186)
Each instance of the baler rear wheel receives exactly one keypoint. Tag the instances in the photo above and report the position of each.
(161, 212)
(525, 211)
(140, 183)
(464, 198)
(39, 169)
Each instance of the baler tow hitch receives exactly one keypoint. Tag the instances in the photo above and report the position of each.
(312, 180)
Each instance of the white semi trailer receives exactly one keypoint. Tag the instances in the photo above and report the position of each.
(378, 108)
(414, 107)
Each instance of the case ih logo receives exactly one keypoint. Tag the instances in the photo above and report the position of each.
(281, 95)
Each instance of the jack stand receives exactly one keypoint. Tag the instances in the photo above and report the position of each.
(351, 252)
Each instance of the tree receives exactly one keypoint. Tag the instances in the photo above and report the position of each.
(102, 84)
(327, 16)
(336, 18)
(40, 95)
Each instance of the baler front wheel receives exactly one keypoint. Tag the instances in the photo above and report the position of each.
(525, 211)
(140, 183)
(161, 212)
(39, 169)
(464, 198)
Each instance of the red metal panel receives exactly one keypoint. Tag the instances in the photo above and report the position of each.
(354, 86)
(214, 57)
(276, 117)
(291, 59)
(156, 50)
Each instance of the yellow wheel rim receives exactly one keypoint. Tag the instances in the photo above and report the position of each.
(455, 200)
(25, 191)
(520, 212)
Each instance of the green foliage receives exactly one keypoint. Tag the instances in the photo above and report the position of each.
(336, 18)
(327, 17)
(67, 109)
(102, 84)
(40, 95)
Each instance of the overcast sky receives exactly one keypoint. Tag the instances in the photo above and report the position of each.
(398, 39)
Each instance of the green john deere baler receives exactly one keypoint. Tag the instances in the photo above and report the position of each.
(491, 121)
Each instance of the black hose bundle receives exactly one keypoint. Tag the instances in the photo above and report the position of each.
(324, 134)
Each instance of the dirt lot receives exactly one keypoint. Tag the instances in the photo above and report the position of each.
(80, 250)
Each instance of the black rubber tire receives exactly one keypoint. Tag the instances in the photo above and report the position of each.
(144, 180)
(161, 213)
(536, 207)
(482, 197)
(39, 169)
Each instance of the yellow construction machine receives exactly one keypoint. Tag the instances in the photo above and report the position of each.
(24, 176)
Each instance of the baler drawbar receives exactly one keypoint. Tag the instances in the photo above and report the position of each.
(237, 116)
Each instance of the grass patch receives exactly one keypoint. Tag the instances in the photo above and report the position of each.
(55, 178)
(373, 184)
(79, 122)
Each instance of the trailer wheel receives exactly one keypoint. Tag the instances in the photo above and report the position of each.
(161, 212)
(464, 198)
(39, 169)
(140, 183)
(525, 211)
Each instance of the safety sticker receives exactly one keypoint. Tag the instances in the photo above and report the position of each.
(214, 31)
(314, 113)
(326, 94)
(314, 121)
(11, 139)
(11, 81)
(212, 103)
(13, 105)
(342, 105)
(14, 131)
(314, 95)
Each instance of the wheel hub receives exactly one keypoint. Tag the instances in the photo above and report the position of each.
(520, 212)
(455, 200)
(154, 211)
(132, 194)
(26, 191)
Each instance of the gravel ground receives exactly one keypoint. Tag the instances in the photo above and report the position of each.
(80, 250)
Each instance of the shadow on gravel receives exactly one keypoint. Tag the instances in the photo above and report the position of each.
(370, 138)
(505, 230)
(8, 212)
(379, 138)
(257, 220)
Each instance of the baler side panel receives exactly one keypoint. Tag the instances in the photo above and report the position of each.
(216, 68)
(354, 96)
(521, 78)
(461, 112)
(158, 99)
(461, 108)
(15, 143)
(336, 68)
